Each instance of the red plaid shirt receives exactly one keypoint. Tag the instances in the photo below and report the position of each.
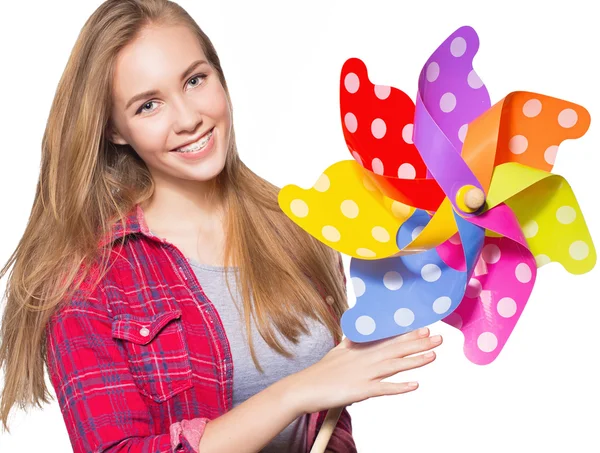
(143, 363)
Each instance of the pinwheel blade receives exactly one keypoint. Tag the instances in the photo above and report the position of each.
(397, 295)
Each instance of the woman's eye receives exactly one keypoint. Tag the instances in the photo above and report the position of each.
(198, 76)
(142, 109)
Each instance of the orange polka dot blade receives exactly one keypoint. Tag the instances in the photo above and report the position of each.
(524, 127)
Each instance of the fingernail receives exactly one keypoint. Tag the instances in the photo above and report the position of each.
(412, 385)
(436, 339)
(429, 355)
(423, 331)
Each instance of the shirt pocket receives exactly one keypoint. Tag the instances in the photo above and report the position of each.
(157, 353)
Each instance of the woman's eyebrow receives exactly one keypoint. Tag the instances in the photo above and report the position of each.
(149, 93)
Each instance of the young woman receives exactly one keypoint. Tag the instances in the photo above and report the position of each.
(174, 304)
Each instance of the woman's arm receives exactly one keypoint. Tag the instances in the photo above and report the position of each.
(250, 426)
(100, 403)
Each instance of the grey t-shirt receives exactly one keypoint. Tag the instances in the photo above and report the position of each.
(247, 380)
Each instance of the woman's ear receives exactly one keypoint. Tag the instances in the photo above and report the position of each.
(114, 136)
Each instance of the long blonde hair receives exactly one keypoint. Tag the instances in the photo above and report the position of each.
(87, 183)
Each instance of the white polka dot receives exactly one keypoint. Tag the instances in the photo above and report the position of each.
(416, 232)
(331, 233)
(351, 82)
(322, 184)
(365, 253)
(491, 254)
(473, 80)
(487, 342)
(350, 122)
(431, 273)
(365, 325)
(447, 102)
(530, 229)
(566, 215)
(567, 118)
(550, 154)
(378, 128)
(455, 239)
(442, 304)
(532, 108)
(380, 234)
(542, 260)
(458, 46)
(393, 280)
(377, 166)
(382, 91)
(404, 317)
(433, 71)
(400, 210)
(349, 208)
(369, 185)
(407, 171)
(407, 133)
(359, 286)
(299, 208)
(523, 273)
(357, 158)
(462, 132)
(473, 289)
(518, 144)
(579, 250)
(507, 307)
(454, 319)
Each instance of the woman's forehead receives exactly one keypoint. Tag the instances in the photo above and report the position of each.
(158, 56)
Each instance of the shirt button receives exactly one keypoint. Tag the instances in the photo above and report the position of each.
(144, 332)
(330, 300)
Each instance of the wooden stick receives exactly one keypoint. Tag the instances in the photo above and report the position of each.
(326, 430)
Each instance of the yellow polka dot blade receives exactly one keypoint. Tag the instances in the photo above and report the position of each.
(554, 226)
(345, 211)
(509, 179)
(440, 228)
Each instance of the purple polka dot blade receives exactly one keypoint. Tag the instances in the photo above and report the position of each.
(450, 88)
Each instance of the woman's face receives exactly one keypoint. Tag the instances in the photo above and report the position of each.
(188, 101)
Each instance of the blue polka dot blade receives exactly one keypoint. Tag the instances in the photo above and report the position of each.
(400, 294)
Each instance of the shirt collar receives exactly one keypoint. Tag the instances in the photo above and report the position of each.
(134, 223)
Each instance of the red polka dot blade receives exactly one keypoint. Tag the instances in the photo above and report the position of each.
(377, 121)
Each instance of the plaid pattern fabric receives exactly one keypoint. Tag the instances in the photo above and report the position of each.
(143, 363)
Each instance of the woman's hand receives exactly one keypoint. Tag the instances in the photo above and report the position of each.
(351, 372)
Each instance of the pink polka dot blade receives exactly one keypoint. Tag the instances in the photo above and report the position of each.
(494, 300)
(377, 122)
(498, 289)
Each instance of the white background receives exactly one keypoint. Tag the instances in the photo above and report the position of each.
(282, 63)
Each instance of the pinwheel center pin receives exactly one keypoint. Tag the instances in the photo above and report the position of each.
(470, 198)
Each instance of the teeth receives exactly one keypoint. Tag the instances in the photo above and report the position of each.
(198, 145)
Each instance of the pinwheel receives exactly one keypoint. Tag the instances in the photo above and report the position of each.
(449, 206)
